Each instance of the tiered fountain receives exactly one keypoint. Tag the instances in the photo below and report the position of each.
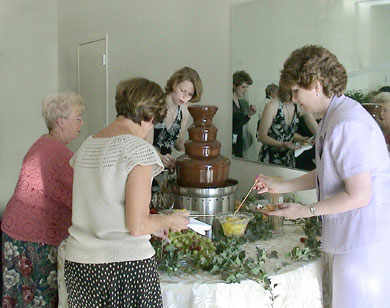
(203, 183)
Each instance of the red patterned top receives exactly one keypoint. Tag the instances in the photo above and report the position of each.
(40, 209)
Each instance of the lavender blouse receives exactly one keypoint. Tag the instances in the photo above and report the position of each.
(350, 142)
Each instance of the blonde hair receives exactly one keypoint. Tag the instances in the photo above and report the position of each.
(186, 74)
(61, 105)
(381, 98)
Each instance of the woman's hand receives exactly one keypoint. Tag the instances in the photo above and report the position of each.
(265, 184)
(291, 211)
(252, 110)
(289, 145)
(311, 140)
(179, 220)
(303, 139)
(163, 234)
(169, 162)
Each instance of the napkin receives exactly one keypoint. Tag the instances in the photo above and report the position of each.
(198, 226)
(302, 149)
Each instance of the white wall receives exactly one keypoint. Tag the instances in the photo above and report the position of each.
(380, 45)
(28, 72)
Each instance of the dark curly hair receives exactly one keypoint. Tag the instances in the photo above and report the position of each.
(309, 64)
(139, 99)
(240, 77)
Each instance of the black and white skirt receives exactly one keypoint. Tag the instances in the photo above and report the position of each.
(134, 284)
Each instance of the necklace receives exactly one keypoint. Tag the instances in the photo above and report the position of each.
(172, 113)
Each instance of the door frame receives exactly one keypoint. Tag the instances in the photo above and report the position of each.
(105, 38)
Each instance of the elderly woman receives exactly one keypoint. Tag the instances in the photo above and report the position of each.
(38, 215)
(383, 118)
(352, 179)
(183, 87)
(109, 260)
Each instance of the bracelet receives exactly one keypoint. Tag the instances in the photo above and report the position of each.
(313, 209)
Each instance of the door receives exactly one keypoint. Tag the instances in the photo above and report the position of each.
(92, 79)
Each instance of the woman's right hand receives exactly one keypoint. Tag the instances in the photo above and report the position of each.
(168, 161)
(289, 145)
(179, 220)
(265, 184)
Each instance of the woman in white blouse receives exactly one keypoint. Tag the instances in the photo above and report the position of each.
(352, 178)
(109, 259)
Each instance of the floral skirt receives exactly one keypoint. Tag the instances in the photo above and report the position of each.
(29, 274)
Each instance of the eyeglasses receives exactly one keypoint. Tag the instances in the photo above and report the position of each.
(80, 119)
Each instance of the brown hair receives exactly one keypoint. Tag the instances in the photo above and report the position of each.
(271, 88)
(139, 99)
(240, 77)
(313, 63)
(186, 74)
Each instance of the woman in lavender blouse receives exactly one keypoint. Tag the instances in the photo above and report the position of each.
(352, 179)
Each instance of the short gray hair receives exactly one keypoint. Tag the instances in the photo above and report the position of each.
(56, 106)
(381, 98)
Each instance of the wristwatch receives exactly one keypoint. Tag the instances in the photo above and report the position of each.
(313, 209)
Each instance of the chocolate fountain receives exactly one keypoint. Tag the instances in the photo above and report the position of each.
(203, 183)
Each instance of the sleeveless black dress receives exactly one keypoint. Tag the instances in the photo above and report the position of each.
(280, 131)
(164, 139)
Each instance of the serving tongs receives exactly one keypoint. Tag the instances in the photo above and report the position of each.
(243, 200)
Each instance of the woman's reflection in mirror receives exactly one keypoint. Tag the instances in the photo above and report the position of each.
(242, 113)
(306, 160)
(271, 92)
(278, 130)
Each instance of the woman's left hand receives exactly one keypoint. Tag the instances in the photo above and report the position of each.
(252, 110)
(169, 162)
(163, 234)
(290, 145)
(290, 211)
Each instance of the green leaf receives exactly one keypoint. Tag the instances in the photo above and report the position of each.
(273, 255)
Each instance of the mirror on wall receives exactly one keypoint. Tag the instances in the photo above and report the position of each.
(265, 32)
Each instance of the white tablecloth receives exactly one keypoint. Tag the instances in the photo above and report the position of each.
(299, 284)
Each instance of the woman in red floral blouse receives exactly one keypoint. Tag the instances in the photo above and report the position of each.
(38, 215)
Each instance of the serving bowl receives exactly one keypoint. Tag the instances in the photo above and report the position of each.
(234, 225)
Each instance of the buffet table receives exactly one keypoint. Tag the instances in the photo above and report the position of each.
(299, 284)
